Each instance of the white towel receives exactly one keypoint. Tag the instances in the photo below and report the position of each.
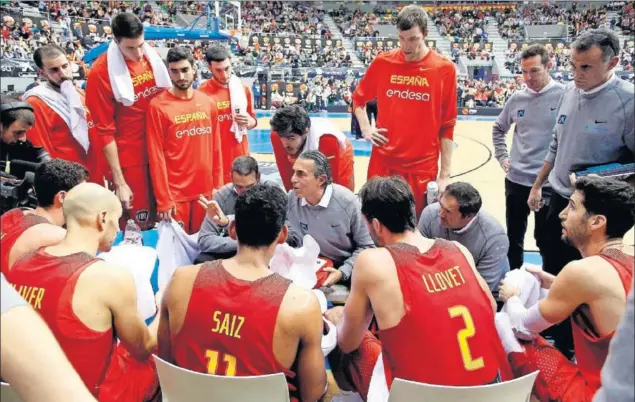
(528, 284)
(175, 248)
(119, 75)
(238, 100)
(68, 105)
(319, 127)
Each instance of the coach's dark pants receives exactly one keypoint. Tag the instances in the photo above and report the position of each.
(517, 214)
(556, 255)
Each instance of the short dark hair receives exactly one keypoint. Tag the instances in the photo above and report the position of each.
(606, 40)
(536, 49)
(320, 164)
(8, 117)
(260, 215)
(410, 16)
(126, 25)
(54, 176)
(216, 53)
(46, 52)
(179, 53)
(391, 202)
(466, 196)
(612, 198)
(289, 120)
(245, 165)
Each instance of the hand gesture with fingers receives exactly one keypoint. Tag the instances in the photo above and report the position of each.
(335, 275)
(124, 193)
(214, 211)
(376, 136)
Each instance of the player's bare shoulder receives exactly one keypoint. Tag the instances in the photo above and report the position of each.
(298, 305)
(374, 264)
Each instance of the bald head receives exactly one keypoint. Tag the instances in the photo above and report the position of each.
(87, 202)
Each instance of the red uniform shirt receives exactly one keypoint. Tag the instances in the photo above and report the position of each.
(184, 148)
(229, 325)
(417, 104)
(447, 336)
(51, 132)
(115, 122)
(12, 224)
(340, 160)
(232, 149)
(48, 284)
(591, 349)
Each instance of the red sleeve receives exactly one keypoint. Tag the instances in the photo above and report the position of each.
(330, 147)
(217, 151)
(367, 88)
(250, 103)
(39, 133)
(100, 102)
(155, 135)
(448, 106)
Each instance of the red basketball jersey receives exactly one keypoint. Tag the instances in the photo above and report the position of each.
(591, 349)
(48, 284)
(229, 325)
(447, 335)
(12, 224)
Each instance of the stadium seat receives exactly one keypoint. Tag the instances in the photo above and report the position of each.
(7, 394)
(182, 385)
(517, 390)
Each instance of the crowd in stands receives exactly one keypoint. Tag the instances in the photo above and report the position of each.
(276, 17)
(362, 24)
(460, 25)
(480, 93)
(314, 94)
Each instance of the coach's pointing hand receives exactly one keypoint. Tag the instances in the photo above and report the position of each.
(376, 136)
(214, 211)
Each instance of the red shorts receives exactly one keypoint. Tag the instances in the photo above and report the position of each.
(129, 380)
(559, 378)
(190, 215)
(418, 182)
(143, 203)
(356, 369)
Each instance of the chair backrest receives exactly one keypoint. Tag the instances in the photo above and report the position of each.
(517, 390)
(182, 385)
(7, 394)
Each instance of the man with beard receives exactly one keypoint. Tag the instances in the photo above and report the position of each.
(63, 126)
(218, 88)
(184, 145)
(89, 304)
(592, 291)
(293, 132)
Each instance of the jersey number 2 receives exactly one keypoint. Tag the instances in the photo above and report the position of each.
(462, 336)
(212, 363)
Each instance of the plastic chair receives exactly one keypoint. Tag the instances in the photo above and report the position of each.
(517, 390)
(182, 385)
(7, 394)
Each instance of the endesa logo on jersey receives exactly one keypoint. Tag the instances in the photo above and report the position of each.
(191, 132)
(225, 117)
(407, 94)
(144, 94)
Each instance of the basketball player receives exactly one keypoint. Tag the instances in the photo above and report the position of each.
(183, 145)
(121, 128)
(416, 93)
(294, 132)
(64, 131)
(434, 311)
(217, 88)
(592, 291)
(24, 231)
(88, 303)
(236, 318)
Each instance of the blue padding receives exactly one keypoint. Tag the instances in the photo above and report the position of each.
(532, 257)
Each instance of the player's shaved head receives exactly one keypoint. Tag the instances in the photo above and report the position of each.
(86, 201)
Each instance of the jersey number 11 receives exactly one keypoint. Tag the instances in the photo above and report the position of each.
(462, 336)
(212, 363)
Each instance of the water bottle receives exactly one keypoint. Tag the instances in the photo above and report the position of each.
(432, 192)
(132, 234)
